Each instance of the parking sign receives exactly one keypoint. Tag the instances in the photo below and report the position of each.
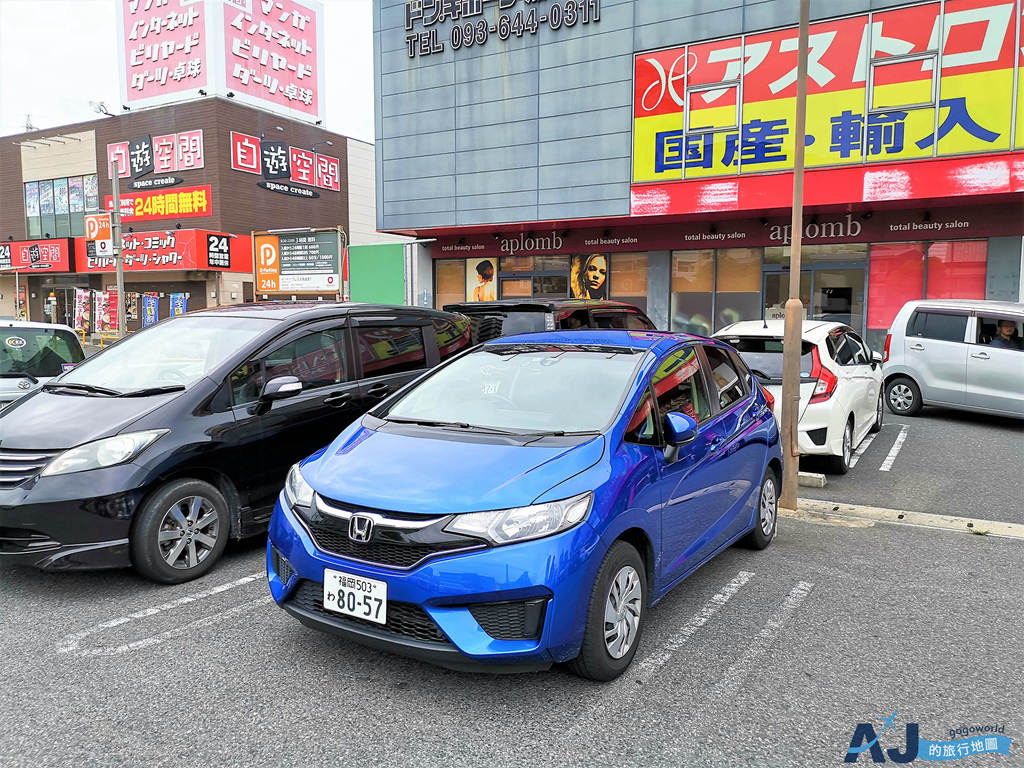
(97, 229)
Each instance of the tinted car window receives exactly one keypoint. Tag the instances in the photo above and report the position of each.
(487, 326)
(679, 386)
(636, 322)
(839, 347)
(38, 351)
(452, 336)
(727, 379)
(861, 355)
(316, 360)
(391, 349)
(989, 332)
(641, 428)
(570, 319)
(609, 319)
(764, 356)
(938, 325)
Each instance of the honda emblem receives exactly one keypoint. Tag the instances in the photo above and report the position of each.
(360, 528)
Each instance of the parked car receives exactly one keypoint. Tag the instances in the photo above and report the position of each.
(840, 383)
(158, 449)
(491, 319)
(528, 501)
(963, 354)
(33, 353)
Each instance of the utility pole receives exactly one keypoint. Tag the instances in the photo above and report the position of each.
(115, 235)
(793, 334)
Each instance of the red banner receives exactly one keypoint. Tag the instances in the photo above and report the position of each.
(179, 203)
(192, 249)
(48, 255)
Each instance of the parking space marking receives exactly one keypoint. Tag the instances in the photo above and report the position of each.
(736, 674)
(860, 451)
(894, 451)
(72, 642)
(698, 620)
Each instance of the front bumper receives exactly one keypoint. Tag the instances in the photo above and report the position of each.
(50, 522)
(557, 571)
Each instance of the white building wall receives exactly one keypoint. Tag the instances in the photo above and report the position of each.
(362, 197)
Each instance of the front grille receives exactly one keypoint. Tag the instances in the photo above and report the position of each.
(337, 542)
(512, 620)
(17, 466)
(403, 619)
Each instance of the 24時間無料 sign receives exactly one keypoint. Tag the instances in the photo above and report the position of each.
(186, 202)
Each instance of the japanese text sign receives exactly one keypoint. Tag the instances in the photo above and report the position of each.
(49, 255)
(185, 202)
(893, 85)
(277, 160)
(97, 230)
(161, 154)
(193, 249)
(165, 49)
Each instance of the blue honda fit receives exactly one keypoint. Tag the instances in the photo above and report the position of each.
(526, 502)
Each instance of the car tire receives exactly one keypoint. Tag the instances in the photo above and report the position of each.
(903, 396)
(620, 588)
(841, 463)
(767, 522)
(877, 426)
(180, 531)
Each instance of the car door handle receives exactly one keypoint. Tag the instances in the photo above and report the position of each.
(980, 355)
(378, 390)
(917, 346)
(338, 400)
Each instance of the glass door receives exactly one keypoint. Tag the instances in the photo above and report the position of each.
(834, 293)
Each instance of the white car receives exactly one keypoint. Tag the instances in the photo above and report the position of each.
(840, 383)
(33, 353)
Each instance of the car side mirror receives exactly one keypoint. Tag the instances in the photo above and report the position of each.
(876, 359)
(679, 428)
(280, 387)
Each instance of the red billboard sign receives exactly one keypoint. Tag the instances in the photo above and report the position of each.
(193, 249)
(180, 203)
(165, 49)
(36, 255)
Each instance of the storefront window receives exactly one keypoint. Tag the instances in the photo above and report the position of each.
(516, 288)
(737, 286)
(46, 208)
(956, 270)
(809, 254)
(516, 264)
(449, 282)
(629, 278)
(692, 283)
(896, 276)
(56, 207)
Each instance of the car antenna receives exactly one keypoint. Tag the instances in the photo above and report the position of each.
(765, 321)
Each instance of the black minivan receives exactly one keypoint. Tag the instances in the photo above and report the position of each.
(158, 449)
(505, 317)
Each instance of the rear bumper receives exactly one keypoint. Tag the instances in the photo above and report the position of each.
(817, 435)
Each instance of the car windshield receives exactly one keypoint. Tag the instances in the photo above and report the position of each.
(179, 351)
(524, 387)
(763, 355)
(39, 352)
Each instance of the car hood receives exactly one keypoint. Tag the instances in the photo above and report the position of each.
(48, 421)
(438, 476)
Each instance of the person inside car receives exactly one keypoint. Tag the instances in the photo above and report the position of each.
(1004, 338)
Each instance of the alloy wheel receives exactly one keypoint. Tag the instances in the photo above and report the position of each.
(188, 532)
(848, 443)
(900, 397)
(622, 612)
(878, 413)
(769, 507)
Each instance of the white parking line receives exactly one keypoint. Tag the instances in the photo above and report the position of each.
(860, 451)
(738, 673)
(894, 451)
(698, 620)
(73, 641)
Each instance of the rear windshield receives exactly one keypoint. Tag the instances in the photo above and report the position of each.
(764, 356)
(485, 326)
(38, 351)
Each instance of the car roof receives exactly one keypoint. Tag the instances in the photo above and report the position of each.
(656, 340)
(811, 330)
(31, 324)
(981, 305)
(311, 310)
(536, 304)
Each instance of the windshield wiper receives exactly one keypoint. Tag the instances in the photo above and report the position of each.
(456, 424)
(75, 387)
(16, 375)
(146, 391)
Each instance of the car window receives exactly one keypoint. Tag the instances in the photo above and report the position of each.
(642, 428)
(679, 386)
(763, 354)
(938, 325)
(317, 360)
(613, 319)
(485, 326)
(861, 354)
(390, 349)
(846, 348)
(727, 379)
(38, 351)
(636, 322)
(571, 319)
(452, 336)
(1001, 332)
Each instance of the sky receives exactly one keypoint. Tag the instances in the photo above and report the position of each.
(58, 55)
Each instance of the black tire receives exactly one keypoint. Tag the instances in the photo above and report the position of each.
(759, 538)
(903, 396)
(595, 662)
(199, 542)
(877, 426)
(840, 464)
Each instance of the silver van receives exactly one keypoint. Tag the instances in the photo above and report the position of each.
(956, 353)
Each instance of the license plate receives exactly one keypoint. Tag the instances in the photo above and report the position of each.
(356, 596)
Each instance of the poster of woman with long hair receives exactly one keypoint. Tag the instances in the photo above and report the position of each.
(588, 276)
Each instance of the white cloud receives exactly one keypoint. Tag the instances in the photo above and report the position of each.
(58, 55)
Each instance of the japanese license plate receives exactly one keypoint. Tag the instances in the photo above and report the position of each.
(356, 596)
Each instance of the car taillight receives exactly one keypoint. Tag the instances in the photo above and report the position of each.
(885, 355)
(769, 398)
(826, 380)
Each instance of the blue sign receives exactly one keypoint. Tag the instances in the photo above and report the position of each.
(178, 304)
(148, 310)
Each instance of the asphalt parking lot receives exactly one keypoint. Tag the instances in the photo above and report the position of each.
(760, 658)
(941, 461)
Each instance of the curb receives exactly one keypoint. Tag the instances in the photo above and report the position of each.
(812, 480)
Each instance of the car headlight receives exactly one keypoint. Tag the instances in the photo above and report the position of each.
(103, 453)
(296, 489)
(505, 526)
